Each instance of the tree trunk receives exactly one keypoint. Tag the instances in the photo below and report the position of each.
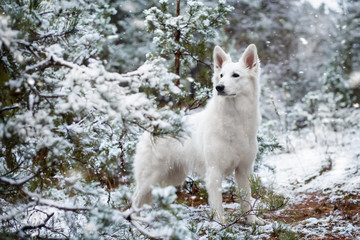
(177, 40)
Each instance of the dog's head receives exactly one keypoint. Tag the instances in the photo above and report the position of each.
(233, 79)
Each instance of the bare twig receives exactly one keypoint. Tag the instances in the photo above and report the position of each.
(28, 47)
(46, 12)
(54, 35)
(41, 225)
(50, 61)
(52, 96)
(134, 221)
(142, 127)
(8, 108)
(275, 108)
(13, 170)
(197, 59)
(225, 226)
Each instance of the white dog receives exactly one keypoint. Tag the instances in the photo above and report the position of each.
(223, 137)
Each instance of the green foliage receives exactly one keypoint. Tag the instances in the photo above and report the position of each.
(342, 78)
(284, 232)
(196, 28)
(348, 46)
(62, 114)
(126, 50)
(195, 187)
(164, 197)
(269, 201)
(267, 145)
(335, 84)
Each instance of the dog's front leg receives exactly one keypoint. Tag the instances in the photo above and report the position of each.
(242, 178)
(213, 187)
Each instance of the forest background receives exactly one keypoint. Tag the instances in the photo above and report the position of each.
(81, 80)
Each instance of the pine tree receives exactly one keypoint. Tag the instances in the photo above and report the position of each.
(343, 79)
(68, 126)
(126, 50)
(183, 32)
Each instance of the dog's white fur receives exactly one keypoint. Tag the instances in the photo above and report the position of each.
(223, 137)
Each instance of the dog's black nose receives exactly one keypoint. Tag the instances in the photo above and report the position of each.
(220, 88)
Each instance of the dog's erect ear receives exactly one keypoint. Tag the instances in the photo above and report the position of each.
(219, 58)
(250, 58)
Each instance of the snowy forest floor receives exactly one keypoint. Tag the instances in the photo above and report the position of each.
(320, 173)
(318, 170)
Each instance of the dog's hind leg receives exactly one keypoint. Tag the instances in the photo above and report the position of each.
(146, 178)
(159, 176)
(242, 176)
(142, 195)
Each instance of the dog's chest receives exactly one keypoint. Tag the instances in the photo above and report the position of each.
(232, 132)
(237, 126)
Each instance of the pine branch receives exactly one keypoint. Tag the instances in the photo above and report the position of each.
(16, 182)
(197, 103)
(39, 201)
(25, 228)
(11, 215)
(20, 182)
(52, 60)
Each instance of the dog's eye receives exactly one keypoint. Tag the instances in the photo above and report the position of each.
(235, 75)
(221, 75)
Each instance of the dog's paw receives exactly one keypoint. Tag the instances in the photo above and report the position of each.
(253, 220)
(220, 218)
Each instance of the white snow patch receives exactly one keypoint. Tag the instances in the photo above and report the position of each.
(327, 161)
(303, 41)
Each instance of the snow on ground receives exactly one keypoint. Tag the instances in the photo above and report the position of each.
(320, 167)
(329, 161)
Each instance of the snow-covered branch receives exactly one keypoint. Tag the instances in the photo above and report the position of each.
(8, 108)
(16, 182)
(51, 61)
(38, 226)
